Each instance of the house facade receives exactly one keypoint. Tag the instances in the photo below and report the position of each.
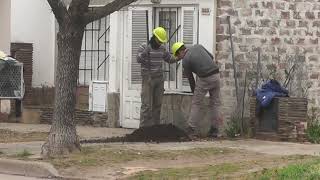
(33, 22)
(285, 32)
(189, 21)
(5, 9)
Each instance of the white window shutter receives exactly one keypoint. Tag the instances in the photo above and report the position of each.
(139, 36)
(189, 29)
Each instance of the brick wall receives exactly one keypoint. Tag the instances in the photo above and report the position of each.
(82, 117)
(285, 30)
(23, 52)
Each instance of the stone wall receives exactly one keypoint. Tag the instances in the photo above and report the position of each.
(290, 117)
(42, 96)
(284, 30)
(23, 52)
(113, 110)
(89, 118)
(82, 117)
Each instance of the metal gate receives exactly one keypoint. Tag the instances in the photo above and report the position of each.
(94, 60)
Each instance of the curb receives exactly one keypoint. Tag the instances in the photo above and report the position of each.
(29, 169)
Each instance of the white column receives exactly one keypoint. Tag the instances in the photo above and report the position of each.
(206, 24)
(113, 51)
(5, 25)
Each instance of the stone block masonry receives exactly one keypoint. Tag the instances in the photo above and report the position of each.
(280, 28)
(290, 119)
(82, 117)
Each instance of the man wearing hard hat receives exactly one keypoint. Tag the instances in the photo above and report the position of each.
(198, 60)
(151, 57)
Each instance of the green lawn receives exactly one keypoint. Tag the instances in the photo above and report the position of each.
(303, 171)
(204, 172)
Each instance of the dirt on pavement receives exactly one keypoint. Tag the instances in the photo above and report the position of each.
(158, 133)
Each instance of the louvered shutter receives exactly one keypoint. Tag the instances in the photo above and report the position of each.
(139, 35)
(189, 31)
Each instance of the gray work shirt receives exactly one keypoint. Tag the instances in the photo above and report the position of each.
(156, 57)
(199, 61)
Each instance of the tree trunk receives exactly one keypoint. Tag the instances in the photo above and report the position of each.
(63, 138)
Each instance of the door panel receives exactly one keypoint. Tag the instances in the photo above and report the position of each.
(136, 34)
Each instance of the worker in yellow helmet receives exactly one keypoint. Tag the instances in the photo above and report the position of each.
(151, 57)
(200, 61)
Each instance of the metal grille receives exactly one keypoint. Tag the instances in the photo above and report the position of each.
(11, 82)
(94, 60)
(169, 19)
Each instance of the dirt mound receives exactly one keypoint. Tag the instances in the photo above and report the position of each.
(158, 133)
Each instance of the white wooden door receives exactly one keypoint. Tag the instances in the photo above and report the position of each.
(136, 33)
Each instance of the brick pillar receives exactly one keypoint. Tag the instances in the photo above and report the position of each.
(23, 52)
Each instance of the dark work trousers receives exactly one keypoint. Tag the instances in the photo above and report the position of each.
(209, 84)
(151, 99)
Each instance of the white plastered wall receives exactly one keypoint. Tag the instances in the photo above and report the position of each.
(5, 8)
(33, 22)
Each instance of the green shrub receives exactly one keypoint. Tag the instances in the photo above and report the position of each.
(313, 130)
(233, 128)
(313, 133)
(23, 154)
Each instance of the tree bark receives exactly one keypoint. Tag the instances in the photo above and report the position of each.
(100, 12)
(63, 138)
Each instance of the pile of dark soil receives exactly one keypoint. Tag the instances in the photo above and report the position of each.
(156, 133)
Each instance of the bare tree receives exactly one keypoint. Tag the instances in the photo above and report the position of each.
(72, 21)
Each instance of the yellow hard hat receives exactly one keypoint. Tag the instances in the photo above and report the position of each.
(175, 47)
(161, 34)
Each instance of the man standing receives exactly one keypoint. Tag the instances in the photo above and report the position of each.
(151, 57)
(198, 60)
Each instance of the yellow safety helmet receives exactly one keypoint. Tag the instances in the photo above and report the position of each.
(175, 47)
(161, 34)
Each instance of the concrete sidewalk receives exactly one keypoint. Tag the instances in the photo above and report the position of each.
(15, 177)
(266, 147)
(28, 168)
(83, 131)
(252, 145)
(17, 169)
